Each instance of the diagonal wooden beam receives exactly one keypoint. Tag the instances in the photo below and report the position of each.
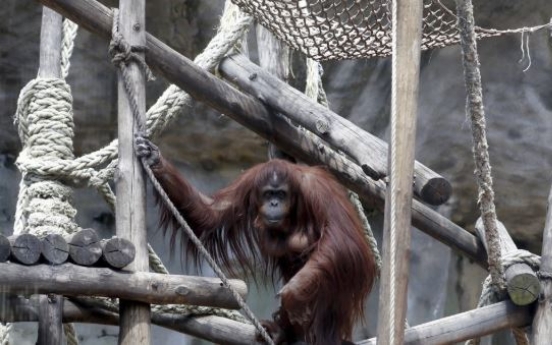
(253, 114)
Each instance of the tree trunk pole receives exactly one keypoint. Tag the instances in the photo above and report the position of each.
(274, 58)
(50, 329)
(542, 323)
(134, 322)
(407, 31)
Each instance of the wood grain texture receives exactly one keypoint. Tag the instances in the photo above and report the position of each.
(215, 329)
(542, 323)
(73, 280)
(134, 322)
(393, 301)
(468, 325)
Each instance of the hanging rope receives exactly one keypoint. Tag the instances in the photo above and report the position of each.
(476, 113)
(122, 54)
(494, 287)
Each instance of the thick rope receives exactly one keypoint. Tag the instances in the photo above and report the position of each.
(122, 55)
(67, 45)
(367, 229)
(233, 25)
(82, 170)
(391, 210)
(70, 334)
(5, 330)
(45, 126)
(476, 113)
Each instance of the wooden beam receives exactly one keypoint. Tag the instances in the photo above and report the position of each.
(50, 330)
(393, 298)
(542, 324)
(522, 283)
(366, 149)
(468, 325)
(145, 287)
(50, 327)
(216, 329)
(369, 151)
(25, 249)
(451, 329)
(251, 113)
(134, 324)
(274, 57)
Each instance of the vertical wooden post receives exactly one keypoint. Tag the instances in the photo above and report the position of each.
(407, 30)
(134, 319)
(50, 330)
(542, 323)
(273, 57)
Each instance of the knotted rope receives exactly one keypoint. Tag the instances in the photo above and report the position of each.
(122, 56)
(44, 118)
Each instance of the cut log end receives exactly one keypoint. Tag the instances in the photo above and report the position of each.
(25, 249)
(524, 288)
(84, 247)
(55, 249)
(118, 252)
(436, 191)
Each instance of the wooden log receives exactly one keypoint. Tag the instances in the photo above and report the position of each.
(134, 323)
(50, 327)
(366, 149)
(73, 280)
(451, 329)
(522, 282)
(50, 330)
(274, 57)
(542, 323)
(250, 112)
(468, 325)
(212, 328)
(117, 252)
(407, 36)
(25, 249)
(54, 249)
(5, 249)
(369, 151)
(50, 44)
(84, 247)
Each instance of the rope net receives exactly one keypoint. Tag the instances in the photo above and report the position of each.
(349, 29)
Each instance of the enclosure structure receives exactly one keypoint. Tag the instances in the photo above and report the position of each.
(357, 158)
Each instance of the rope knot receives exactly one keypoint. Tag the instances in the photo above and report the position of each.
(122, 52)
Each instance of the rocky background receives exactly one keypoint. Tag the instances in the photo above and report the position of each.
(211, 149)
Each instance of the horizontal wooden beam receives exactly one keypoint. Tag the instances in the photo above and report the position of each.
(216, 329)
(451, 329)
(253, 114)
(471, 324)
(367, 150)
(154, 288)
